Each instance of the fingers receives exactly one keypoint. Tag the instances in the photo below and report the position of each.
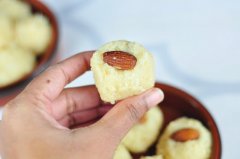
(75, 99)
(50, 83)
(82, 117)
(118, 121)
(1, 137)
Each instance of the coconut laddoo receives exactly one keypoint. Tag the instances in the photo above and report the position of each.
(122, 69)
(15, 9)
(6, 31)
(23, 36)
(34, 33)
(15, 63)
(152, 157)
(185, 138)
(144, 133)
(122, 153)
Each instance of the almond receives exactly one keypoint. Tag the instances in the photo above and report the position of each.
(120, 60)
(186, 134)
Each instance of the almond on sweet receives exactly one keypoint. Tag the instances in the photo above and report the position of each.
(120, 60)
(185, 134)
(122, 69)
(185, 138)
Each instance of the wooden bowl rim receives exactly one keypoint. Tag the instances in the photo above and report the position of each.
(217, 144)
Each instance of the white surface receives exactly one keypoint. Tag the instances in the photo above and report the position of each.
(195, 44)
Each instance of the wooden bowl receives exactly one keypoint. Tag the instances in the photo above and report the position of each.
(178, 103)
(44, 59)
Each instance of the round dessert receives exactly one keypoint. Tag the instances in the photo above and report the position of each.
(34, 33)
(22, 33)
(6, 31)
(122, 153)
(185, 138)
(152, 157)
(145, 133)
(122, 69)
(15, 63)
(15, 9)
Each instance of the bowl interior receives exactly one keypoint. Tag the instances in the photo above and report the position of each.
(44, 59)
(178, 103)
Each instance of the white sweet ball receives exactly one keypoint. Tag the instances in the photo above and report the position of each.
(115, 84)
(15, 63)
(15, 9)
(198, 149)
(6, 31)
(34, 33)
(122, 153)
(152, 157)
(144, 133)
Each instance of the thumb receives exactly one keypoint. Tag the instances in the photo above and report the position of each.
(119, 120)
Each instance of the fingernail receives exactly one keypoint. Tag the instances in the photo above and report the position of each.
(154, 97)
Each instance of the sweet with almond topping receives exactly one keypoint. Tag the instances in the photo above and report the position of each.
(120, 60)
(186, 134)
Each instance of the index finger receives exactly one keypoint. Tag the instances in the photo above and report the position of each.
(51, 82)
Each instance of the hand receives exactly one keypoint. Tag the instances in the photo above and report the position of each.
(36, 123)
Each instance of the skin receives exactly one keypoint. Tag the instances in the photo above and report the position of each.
(36, 124)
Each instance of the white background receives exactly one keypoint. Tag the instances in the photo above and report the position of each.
(196, 45)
